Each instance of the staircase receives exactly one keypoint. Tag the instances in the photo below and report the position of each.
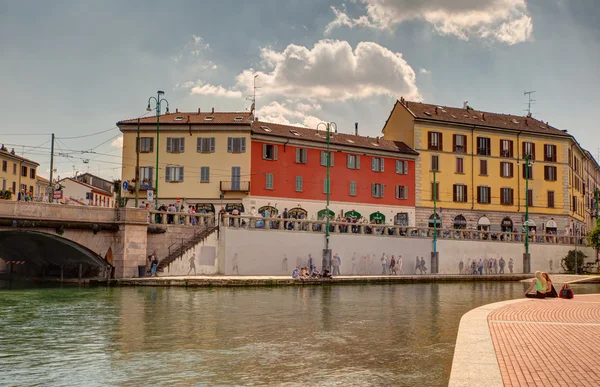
(182, 248)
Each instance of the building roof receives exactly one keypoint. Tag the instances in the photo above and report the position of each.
(195, 118)
(7, 153)
(42, 179)
(314, 135)
(453, 115)
(91, 187)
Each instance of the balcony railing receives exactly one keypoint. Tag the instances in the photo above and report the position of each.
(235, 186)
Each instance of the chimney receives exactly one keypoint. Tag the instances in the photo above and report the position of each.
(356, 128)
(483, 116)
(378, 139)
(436, 110)
(213, 111)
(176, 110)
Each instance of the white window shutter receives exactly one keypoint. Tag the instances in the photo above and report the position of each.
(397, 166)
(298, 156)
(381, 191)
(243, 150)
(323, 162)
(331, 155)
(357, 162)
(264, 156)
(181, 144)
(381, 168)
(348, 162)
(405, 167)
(373, 162)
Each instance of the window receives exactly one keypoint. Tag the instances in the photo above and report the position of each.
(147, 144)
(460, 165)
(506, 169)
(146, 174)
(205, 145)
(326, 186)
(14, 168)
(175, 144)
(435, 191)
(269, 181)
(24, 187)
(352, 188)
(377, 164)
(460, 143)
(435, 163)
(401, 192)
(459, 193)
(483, 167)
(402, 167)
(506, 196)
(236, 144)
(301, 155)
(14, 187)
(24, 171)
(549, 173)
(3, 184)
(574, 204)
(483, 146)
(31, 189)
(434, 141)
(377, 190)
(529, 150)
(298, 183)
(174, 174)
(550, 199)
(269, 152)
(484, 195)
(530, 198)
(353, 162)
(32, 173)
(550, 153)
(204, 174)
(506, 148)
(4, 165)
(324, 159)
(528, 171)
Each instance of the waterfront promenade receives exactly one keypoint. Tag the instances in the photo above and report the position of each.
(529, 342)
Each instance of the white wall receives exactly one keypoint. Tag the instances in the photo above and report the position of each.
(263, 252)
(205, 259)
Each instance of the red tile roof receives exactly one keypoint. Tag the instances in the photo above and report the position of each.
(349, 140)
(186, 118)
(17, 157)
(429, 112)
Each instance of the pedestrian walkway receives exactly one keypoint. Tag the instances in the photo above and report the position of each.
(571, 279)
(530, 342)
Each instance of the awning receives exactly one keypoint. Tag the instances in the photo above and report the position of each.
(229, 207)
(321, 214)
(353, 214)
(272, 210)
(297, 212)
(551, 224)
(377, 216)
(483, 221)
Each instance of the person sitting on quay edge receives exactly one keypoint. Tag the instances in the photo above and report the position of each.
(539, 283)
(326, 273)
(315, 273)
(304, 273)
(550, 290)
(296, 272)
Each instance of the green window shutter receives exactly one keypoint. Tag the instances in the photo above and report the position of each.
(168, 174)
(180, 173)
(349, 161)
(357, 162)
(264, 155)
(275, 152)
(373, 163)
(299, 183)
(398, 166)
(181, 144)
(168, 144)
(298, 157)
(352, 188)
(381, 166)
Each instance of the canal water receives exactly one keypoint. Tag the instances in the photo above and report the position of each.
(400, 335)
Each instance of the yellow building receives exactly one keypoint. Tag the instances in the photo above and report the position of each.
(192, 164)
(481, 176)
(17, 174)
(592, 184)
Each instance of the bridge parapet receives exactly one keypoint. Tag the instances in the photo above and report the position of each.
(61, 212)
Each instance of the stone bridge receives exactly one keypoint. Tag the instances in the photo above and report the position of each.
(42, 239)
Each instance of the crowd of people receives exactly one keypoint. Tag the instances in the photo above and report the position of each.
(311, 272)
(486, 266)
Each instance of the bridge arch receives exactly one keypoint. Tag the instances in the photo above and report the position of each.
(38, 253)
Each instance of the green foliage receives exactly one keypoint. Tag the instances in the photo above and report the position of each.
(469, 108)
(568, 262)
(5, 194)
(594, 238)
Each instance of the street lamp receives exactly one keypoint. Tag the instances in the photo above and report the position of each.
(526, 256)
(434, 254)
(327, 252)
(158, 100)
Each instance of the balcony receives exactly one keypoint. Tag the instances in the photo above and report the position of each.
(235, 186)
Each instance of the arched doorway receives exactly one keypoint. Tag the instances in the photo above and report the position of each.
(460, 222)
(268, 210)
(325, 213)
(506, 225)
(483, 224)
(377, 218)
(437, 222)
(297, 213)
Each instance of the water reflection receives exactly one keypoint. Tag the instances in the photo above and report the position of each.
(350, 335)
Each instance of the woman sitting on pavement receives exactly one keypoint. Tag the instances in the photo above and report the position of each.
(539, 283)
(550, 291)
(304, 273)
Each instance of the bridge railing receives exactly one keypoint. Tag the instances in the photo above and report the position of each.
(180, 218)
(54, 211)
(390, 230)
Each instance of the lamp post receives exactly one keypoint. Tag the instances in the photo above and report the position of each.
(327, 251)
(434, 253)
(526, 256)
(158, 100)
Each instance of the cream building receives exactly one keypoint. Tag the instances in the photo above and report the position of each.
(16, 174)
(203, 157)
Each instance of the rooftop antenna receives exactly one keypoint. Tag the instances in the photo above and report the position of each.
(531, 100)
(253, 96)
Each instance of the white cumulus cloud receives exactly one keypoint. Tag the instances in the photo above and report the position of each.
(208, 89)
(283, 113)
(117, 142)
(506, 21)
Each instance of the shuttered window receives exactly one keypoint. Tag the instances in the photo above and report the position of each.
(377, 164)
(175, 144)
(483, 167)
(324, 159)
(401, 192)
(460, 165)
(147, 144)
(529, 150)
(551, 199)
(269, 181)
(506, 148)
(352, 188)
(236, 144)
(353, 162)
(435, 191)
(528, 172)
(204, 174)
(459, 143)
(174, 174)
(506, 169)
(205, 145)
(377, 190)
(434, 141)
(506, 196)
(435, 163)
(550, 153)
(484, 146)
(530, 198)
(402, 167)
(298, 183)
(484, 195)
(269, 152)
(326, 186)
(459, 193)
(301, 155)
(549, 173)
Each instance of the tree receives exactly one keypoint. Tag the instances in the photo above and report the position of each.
(594, 238)
(568, 262)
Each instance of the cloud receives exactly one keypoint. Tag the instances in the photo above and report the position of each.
(208, 89)
(332, 71)
(424, 71)
(506, 21)
(117, 142)
(282, 113)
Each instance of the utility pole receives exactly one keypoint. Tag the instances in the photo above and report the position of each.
(137, 165)
(526, 256)
(434, 254)
(528, 93)
(51, 198)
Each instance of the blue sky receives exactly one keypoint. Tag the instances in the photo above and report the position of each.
(76, 67)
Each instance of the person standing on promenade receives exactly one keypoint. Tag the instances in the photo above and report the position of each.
(502, 263)
(510, 265)
(480, 266)
(235, 262)
(310, 264)
(423, 267)
(383, 264)
(495, 266)
(486, 264)
(192, 264)
(393, 266)
(399, 264)
(418, 266)
(539, 283)
(354, 271)
(336, 264)
(154, 264)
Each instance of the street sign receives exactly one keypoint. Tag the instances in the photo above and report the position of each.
(150, 195)
(58, 194)
(125, 185)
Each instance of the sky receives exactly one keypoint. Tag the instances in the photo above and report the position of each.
(75, 68)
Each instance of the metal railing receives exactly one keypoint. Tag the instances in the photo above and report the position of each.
(180, 218)
(235, 186)
(390, 230)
